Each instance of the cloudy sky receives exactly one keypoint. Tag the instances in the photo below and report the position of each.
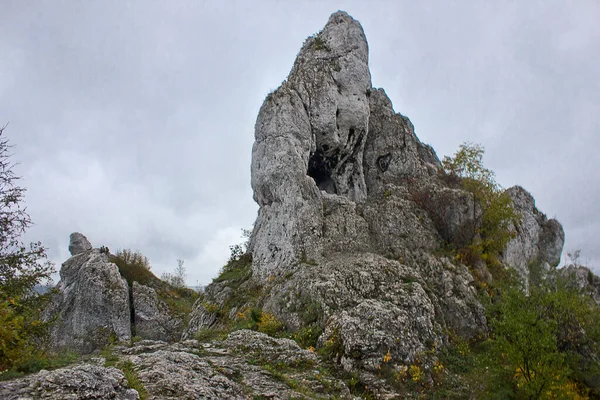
(133, 120)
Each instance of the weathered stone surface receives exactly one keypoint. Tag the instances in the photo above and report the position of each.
(584, 280)
(151, 316)
(200, 318)
(78, 243)
(353, 207)
(92, 304)
(393, 153)
(375, 305)
(270, 349)
(241, 367)
(310, 135)
(80, 382)
(538, 241)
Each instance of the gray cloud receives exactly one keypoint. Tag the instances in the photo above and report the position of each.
(134, 120)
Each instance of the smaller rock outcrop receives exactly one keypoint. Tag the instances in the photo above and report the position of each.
(91, 307)
(151, 316)
(538, 241)
(584, 280)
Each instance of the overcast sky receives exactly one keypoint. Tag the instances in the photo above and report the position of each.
(133, 120)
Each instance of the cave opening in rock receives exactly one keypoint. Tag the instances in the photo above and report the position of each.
(320, 169)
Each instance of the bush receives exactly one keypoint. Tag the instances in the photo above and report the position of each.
(491, 231)
(269, 324)
(133, 266)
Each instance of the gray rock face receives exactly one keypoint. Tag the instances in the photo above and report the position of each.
(352, 208)
(78, 244)
(538, 241)
(151, 316)
(584, 280)
(377, 305)
(92, 304)
(85, 381)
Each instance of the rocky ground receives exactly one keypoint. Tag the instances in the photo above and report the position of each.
(245, 365)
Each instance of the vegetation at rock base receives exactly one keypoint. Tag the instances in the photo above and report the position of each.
(543, 344)
(491, 231)
(22, 267)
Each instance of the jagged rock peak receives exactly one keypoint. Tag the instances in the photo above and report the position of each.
(78, 243)
(327, 142)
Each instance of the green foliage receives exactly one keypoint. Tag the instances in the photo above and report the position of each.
(237, 270)
(22, 267)
(36, 361)
(319, 43)
(269, 324)
(333, 348)
(492, 229)
(543, 344)
(545, 338)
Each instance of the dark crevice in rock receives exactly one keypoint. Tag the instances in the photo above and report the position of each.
(131, 312)
(320, 167)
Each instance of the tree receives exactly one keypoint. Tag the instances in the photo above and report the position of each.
(545, 340)
(21, 269)
(177, 278)
(492, 227)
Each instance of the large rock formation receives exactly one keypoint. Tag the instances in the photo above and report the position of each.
(353, 208)
(92, 305)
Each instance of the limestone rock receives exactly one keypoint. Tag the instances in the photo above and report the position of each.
(151, 316)
(92, 304)
(78, 243)
(375, 305)
(538, 241)
(200, 319)
(84, 381)
(270, 349)
(584, 280)
(352, 208)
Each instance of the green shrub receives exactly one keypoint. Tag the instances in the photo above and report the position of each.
(491, 231)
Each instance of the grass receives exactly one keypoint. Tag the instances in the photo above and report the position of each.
(37, 362)
(128, 369)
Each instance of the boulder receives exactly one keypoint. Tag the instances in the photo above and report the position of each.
(151, 316)
(78, 243)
